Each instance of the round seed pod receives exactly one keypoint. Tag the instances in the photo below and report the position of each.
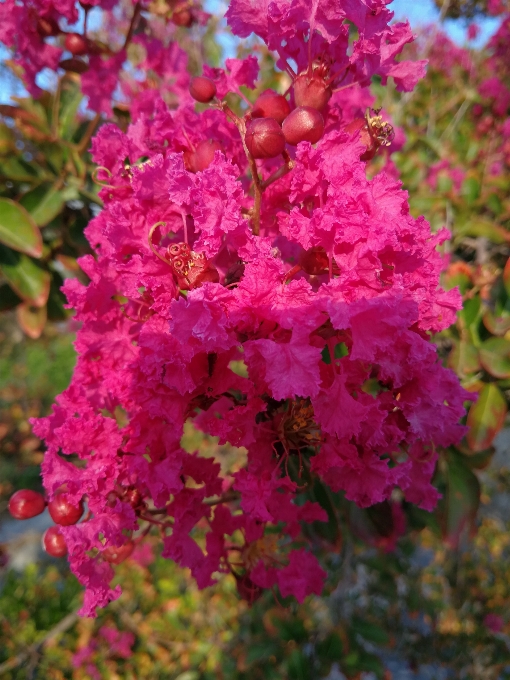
(25, 504)
(202, 89)
(304, 124)
(63, 512)
(270, 104)
(264, 138)
(54, 543)
(202, 157)
(311, 91)
(76, 44)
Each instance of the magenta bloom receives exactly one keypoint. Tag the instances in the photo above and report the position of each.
(285, 311)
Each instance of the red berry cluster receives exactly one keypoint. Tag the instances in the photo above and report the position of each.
(271, 123)
(25, 504)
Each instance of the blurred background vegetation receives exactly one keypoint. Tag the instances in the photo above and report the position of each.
(410, 594)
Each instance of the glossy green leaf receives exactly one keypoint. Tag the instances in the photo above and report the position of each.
(483, 228)
(495, 357)
(43, 203)
(29, 280)
(31, 320)
(486, 417)
(18, 171)
(463, 358)
(462, 498)
(18, 229)
(497, 325)
(70, 99)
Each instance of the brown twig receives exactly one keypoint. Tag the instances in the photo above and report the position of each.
(281, 172)
(132, 25)
(257, 203)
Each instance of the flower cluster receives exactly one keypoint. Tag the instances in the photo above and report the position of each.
(60, 36)
(251, 281)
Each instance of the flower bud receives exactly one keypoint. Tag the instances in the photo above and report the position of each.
(304, 124)
(25, 504)
(270, 104)
(54, 543)
(64, 512)
(264, 138)
(202, 89)
(182, 16)
(202, 157)
(311, 91)
(46, 27)
(116, 555)
(76, 44)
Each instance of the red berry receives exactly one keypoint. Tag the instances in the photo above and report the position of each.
(117, 555)
(25, 504)
(46, 27)
(54, 543)
(63, 512)
(270, 104)
(304, 124)
(202, 89)
(182, 16)
(311, 91)
(76, 44)
(202, 157)
(264, 138)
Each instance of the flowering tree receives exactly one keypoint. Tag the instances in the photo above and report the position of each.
(249, 281)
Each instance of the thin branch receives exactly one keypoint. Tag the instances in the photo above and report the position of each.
(132, 25)
(281, 172)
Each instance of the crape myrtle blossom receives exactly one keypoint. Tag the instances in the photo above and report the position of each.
(305, 341)
(57, 35)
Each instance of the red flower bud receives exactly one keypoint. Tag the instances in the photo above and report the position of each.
(312, 91)
(76, 44)
(63, 512)
(46, 27)
(54, 543)
(116, 555)
(304, 124)
(264, 138)
(26, 503)
(202, 89)
(182, 16)
(202, 157)
(270, 104)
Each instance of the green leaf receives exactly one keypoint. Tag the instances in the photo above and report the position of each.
(495, 357)
(31, 319)
(16, 170)
(470, 189)
(70, 99)
(29, 280)
(484, 228)
(462, 498)
(370, 631)
(497, 325)
(43, 203)
(18, 229)
(463, 359)
(7, 141)
(486, 417)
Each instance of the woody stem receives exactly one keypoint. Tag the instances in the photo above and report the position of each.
(257, 186)
(281, 172)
